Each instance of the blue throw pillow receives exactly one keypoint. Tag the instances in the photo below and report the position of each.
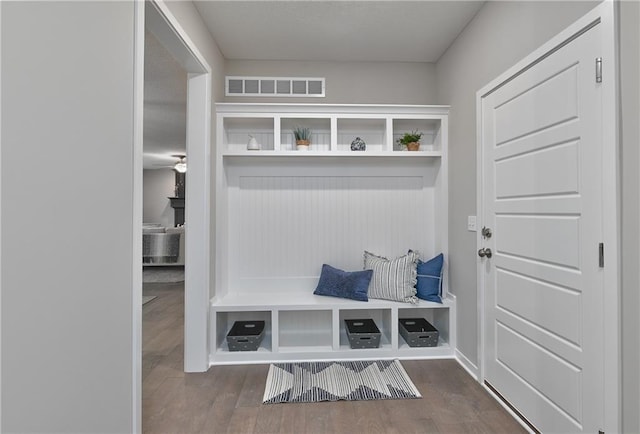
(430, 279)
(344, 284)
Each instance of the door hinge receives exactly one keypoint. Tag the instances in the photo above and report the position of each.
(599, 70)
(601, 255)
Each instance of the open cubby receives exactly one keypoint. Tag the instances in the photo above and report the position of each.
(430, 141)
(372, 131)
(282, 213)
(225, 320)
(320, 133)
(382, 318)
(438, 317)
(237, 132)
(300, 331)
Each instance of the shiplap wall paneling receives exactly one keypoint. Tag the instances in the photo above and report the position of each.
(286, 227)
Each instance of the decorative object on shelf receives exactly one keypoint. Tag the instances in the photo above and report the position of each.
(410, 141)
(253, 144)
(303, 138)
(358, 145)
(334, 381)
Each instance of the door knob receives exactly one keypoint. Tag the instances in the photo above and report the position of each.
(485, 252)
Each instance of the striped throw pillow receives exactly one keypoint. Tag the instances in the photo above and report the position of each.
(393, 279)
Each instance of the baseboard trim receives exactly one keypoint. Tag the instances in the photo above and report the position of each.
(474, 372)
(519, 417)
(471, 368)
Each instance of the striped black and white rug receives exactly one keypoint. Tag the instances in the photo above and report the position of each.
(334, 381)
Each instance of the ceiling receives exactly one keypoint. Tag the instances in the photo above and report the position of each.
(165, 106)
(310, 30)
(388, 31)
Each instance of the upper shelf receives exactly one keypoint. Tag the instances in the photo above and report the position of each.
(333, 129)
(356, 154)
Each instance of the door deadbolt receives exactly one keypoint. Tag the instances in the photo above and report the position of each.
(485, 252)
(486, 232)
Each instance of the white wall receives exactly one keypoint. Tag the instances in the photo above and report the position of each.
(348, 82)
(501, 34)
(630, 139)
(158, 185)
(67, 207)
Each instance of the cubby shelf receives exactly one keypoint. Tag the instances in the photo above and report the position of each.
(333, 128)
(281, 213)
(311, 327)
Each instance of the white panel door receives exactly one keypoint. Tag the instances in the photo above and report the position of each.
(542, 200)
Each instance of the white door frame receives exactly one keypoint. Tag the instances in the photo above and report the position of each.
(157, 17)
(1, 207)
(606, 14)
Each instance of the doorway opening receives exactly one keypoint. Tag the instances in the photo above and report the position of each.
(155, 18)
(164, 168)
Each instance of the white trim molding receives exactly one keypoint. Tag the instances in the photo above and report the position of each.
(164, 25)
(468, 366)
(136, 272)
(611, 213)
(0, 211)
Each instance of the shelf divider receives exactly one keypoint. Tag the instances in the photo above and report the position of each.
(277, 145)
(334, 134)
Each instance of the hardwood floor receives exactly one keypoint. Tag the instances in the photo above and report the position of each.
(228, 399)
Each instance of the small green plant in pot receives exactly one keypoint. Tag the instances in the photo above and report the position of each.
(303, 138)
(410, 141)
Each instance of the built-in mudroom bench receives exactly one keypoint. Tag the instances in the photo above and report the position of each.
(281, 213)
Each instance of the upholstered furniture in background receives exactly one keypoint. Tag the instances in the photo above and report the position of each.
(162, 246)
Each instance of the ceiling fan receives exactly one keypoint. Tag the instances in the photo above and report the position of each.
(180, 166)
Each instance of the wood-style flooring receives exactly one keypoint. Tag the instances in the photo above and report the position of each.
(228, 399)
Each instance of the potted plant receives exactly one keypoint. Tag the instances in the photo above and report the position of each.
(303, 138)
(410, 141)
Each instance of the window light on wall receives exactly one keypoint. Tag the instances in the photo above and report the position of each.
(275, 86)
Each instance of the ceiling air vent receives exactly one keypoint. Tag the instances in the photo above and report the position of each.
(275, 86)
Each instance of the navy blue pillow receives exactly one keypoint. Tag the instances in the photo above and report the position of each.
(345, 284)
(430, 279)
